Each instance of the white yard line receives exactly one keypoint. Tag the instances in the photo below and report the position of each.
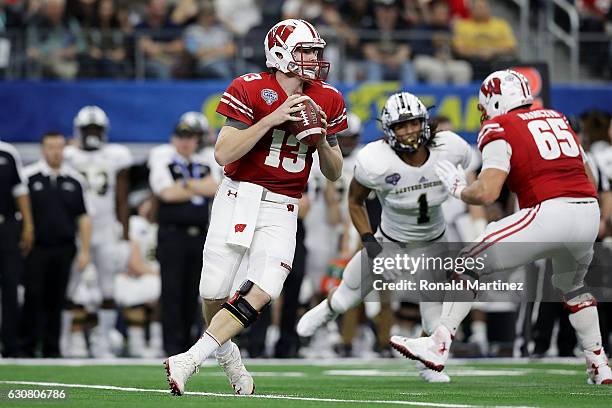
(259, 396)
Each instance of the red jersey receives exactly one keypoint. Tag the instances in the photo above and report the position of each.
(278, 161)
(546, 159)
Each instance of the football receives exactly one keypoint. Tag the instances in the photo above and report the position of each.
(308, 130)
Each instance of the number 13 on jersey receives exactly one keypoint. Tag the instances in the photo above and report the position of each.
(289, 164)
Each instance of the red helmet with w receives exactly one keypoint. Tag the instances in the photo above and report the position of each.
(284, 44)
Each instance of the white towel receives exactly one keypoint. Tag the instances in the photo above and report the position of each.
(245, 214)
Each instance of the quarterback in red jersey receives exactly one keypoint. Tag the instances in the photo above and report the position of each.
(536, 153)
(254, 214)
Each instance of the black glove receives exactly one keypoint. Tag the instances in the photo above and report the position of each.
(371, 245)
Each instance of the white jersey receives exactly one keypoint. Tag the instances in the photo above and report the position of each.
(206, 156)
(411, 197)
(100, 168)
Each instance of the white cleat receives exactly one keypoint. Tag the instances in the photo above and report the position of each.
(179, 369)
(432, 351)
(598, 370)
(431, 376)
(315, 318)
(238, 376)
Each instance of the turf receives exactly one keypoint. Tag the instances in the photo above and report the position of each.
(347, 384)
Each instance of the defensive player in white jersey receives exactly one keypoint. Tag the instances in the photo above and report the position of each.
(401, 171)
(104, 166)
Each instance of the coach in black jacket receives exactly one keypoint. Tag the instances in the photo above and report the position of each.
(58, 207)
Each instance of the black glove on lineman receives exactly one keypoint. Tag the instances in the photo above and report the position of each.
(371, 245)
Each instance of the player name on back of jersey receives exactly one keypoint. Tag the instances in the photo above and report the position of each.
(537, 114)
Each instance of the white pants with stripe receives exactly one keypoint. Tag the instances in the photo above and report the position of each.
(563, 229)
(269, 258)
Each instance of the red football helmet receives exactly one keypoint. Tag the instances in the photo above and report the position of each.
(284, 45)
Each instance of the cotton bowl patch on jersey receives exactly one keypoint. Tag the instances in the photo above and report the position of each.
(269, 95)
(393, 178)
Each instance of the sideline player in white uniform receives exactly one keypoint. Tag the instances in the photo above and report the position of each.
(138, 288)
(104, 166)
(536, 153)
(401, 171)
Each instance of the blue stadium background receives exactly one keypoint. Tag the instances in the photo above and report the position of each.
(147, 111)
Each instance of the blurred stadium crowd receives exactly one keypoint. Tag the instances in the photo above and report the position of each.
(368, 39)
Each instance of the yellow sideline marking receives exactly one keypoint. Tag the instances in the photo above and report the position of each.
(259, 396)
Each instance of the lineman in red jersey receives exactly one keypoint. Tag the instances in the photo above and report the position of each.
(536, 153)
(254, 213)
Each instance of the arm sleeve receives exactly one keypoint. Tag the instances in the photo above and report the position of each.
(235, 103)
(160, 177)
(496, 155)
(236, 124)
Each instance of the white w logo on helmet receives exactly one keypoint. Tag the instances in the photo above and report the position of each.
(288, 37)
(503, 91)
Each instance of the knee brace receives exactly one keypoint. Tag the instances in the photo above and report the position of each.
(240, 308)
(578, 299)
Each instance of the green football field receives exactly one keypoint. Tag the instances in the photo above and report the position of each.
(376, 383)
